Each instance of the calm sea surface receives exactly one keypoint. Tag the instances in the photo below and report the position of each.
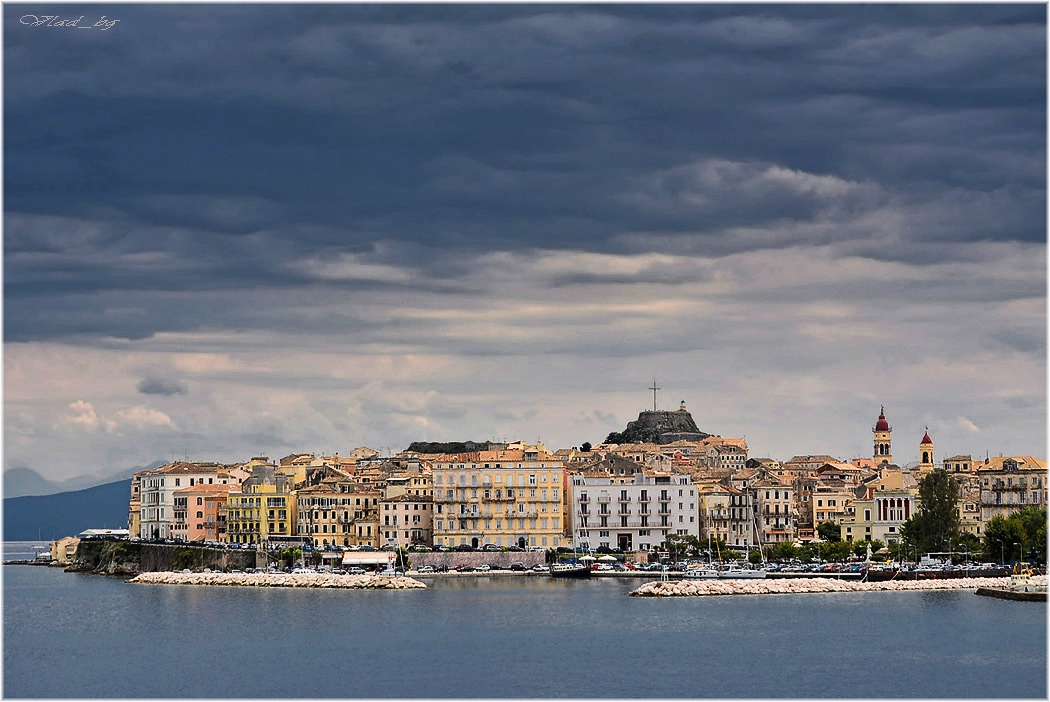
(68, 635)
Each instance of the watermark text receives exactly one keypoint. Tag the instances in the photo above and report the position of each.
(56, 21)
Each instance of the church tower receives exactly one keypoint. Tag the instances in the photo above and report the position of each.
(926, 453)
(882, 431)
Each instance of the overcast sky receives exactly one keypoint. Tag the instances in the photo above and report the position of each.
(237, 230)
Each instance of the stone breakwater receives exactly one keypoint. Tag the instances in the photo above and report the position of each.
(699, 588)
(322, 580)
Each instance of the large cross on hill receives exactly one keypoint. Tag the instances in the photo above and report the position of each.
(654, 389)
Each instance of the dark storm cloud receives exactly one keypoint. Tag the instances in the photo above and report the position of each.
(219, 147)
(161, 386)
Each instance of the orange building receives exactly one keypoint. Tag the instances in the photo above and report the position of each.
(200, 513)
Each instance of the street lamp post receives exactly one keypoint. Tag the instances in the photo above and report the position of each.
(1022, 550)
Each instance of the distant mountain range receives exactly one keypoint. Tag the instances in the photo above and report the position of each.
(49, 517)
(19, 482)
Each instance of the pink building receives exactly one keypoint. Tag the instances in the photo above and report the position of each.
(200, 513)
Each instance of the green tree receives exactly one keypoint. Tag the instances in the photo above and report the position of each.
(290, 555)
(935, 526)
(1000, 535)
(837, 551)
(1033, 521)
(676, 546)
(585, 446)
(785, 550)
(829, 531)
(969, 543)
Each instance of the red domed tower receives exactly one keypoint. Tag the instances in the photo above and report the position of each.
(926, 452)
(882, 431)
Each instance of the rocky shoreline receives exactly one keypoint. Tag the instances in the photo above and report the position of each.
(700, 588)
(317, 580)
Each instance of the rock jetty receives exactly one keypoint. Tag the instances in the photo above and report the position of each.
(700, 588)
(322, 580)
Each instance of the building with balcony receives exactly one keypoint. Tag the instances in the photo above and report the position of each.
(507, 497)
(639, 515)
(263, 508)
(406, 520)
(325, 513)
(713, 500)
(761, 511)
(200, 513)
(1009, 483)
(157, 490)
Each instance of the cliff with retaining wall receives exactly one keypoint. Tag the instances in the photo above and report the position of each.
(118, 557)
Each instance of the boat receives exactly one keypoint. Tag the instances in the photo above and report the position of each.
(702, 573)
(1021, 579)
(570, 570)
(732, 571)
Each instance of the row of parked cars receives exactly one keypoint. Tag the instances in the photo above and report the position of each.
(485, 567)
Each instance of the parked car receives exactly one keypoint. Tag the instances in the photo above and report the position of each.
(483, 568)
(539, 568)
(426, 569)
(519, 566)
(356, 571)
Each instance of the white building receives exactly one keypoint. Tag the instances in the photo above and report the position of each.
(157, 493)
(632, 516)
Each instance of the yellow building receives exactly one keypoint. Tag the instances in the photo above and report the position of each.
(258, 513)
(507, 497)
(713, 500)
(135, 505)
(64, 549)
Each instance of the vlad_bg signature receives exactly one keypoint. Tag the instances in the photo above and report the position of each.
(54, 21)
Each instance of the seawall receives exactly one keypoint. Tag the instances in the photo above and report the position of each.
(119, 557)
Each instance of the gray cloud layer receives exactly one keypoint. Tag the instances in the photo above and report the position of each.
(791, 193)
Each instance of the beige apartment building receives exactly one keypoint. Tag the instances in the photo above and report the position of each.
(507, 497)
(1008, 483)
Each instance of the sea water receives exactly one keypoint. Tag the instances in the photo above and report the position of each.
(75, 635)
